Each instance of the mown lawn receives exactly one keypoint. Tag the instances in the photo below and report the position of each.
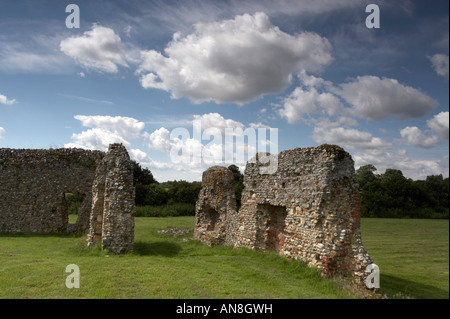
(164, 266)
(413, 255)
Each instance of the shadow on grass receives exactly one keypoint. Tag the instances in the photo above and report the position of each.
(396, 287)
(161, 248)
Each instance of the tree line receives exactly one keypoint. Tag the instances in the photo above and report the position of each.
(387, 195)
(172, 198)
(392, 195)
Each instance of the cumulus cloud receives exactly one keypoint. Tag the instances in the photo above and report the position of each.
(98, 49)
(5, 100)
(215, 120)
(439, 124)
(440, 64)
(105, 130)
(127, 127)
(309, 101)
(237, 60)
(413, 136)
(96, 138)
(2, 132)
(160, 140)
(211, 144)
(140, 156)
(367, 97)
(416, 168)
(331, 133)
(377, 98)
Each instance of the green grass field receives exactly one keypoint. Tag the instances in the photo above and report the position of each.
(412, 256)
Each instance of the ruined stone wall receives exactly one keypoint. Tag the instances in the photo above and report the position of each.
(307, 210)
(33, 185)
(216, 207)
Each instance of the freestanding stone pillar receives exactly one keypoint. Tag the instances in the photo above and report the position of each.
(113, 207)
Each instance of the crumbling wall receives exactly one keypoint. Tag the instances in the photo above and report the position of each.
(307, 210)
(216, 207)
(34, 184)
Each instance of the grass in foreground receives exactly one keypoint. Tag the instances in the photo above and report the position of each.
(33, 266)
(412, 256)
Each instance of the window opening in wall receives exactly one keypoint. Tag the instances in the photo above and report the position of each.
(73, 201)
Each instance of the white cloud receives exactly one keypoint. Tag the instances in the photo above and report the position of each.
(98, 49)
(189, 150)
(439, 124)
(96, 138)
(105, 130)
(236, 60)
(440, 64)
(418, 168)
(215, 120)
(140, 156)
(309, 101)
(208, 146)
(5, 100)
(160, 140)
(2, 132)
(127, 127)
(413, 136)
(377, 98)
(313, 81)
(258, 125)
(369, 97)
(330, 133)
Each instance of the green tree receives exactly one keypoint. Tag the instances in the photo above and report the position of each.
(183, 191)
(238, 183)
(155, 195)
(393, 195)
(141, 178)
(365, 174)
(141, 175)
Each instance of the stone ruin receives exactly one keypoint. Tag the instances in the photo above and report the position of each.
(34, 185)
(307, 210)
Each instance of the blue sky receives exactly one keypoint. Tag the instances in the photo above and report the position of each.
(137, 72)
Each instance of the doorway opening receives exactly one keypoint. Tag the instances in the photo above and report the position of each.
(73, 201)
(271, 223)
